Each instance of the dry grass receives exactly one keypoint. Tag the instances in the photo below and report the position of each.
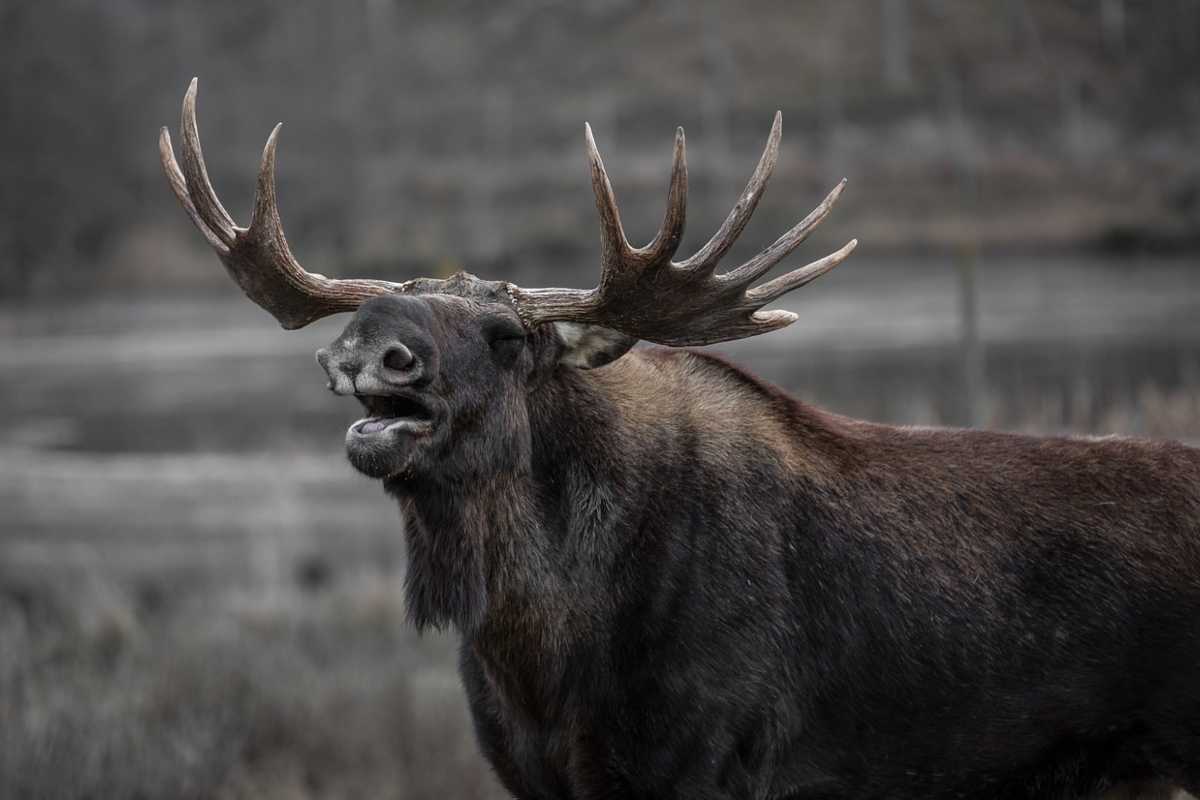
(327, 694)
(235, 629)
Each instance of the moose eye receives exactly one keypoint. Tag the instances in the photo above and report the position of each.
(500, 331)
(507, 341)
(505, 337)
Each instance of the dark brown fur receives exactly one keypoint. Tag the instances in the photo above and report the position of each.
(674, 580)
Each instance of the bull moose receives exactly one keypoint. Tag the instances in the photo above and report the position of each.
(672, 579)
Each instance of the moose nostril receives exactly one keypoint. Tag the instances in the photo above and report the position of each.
(398, 358)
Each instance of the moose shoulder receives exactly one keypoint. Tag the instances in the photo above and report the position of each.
(674, 580)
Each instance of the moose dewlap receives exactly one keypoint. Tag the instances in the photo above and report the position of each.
(671, 579)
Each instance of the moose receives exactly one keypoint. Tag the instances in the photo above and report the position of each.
(672, 579)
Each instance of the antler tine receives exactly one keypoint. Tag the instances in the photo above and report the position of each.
(178, 184)
(670, 233)
(199, 187)
(266, 208)
(258, 257)
(766, 321)
(777, 287)
(266, 231)
(711, 254)
(782, 247)
(614, 245)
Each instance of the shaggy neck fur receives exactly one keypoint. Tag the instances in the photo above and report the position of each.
(500, 547)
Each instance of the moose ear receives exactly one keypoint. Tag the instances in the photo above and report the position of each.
(591, 346)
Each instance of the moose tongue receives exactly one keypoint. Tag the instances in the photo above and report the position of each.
(374, 425)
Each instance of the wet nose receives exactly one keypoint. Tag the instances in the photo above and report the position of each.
(340, 370)
(372, 369)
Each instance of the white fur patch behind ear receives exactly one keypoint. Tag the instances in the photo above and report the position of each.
(590, 346)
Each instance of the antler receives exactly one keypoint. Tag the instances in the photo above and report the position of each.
(644, 293)
(257, 257)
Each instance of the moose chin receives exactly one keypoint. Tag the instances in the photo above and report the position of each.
(672, 579)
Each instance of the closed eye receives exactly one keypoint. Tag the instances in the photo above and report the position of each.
(503, 332)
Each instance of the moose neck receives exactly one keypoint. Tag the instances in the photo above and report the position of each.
(501, 549)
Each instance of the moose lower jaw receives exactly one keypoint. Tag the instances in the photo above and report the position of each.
(382, 444)
(385, 447)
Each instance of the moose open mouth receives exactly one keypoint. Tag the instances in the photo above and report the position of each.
(388, 413)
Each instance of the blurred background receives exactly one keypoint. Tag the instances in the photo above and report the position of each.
(199, 598)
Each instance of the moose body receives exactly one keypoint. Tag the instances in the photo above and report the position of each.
(731, 594)
(674, 580)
